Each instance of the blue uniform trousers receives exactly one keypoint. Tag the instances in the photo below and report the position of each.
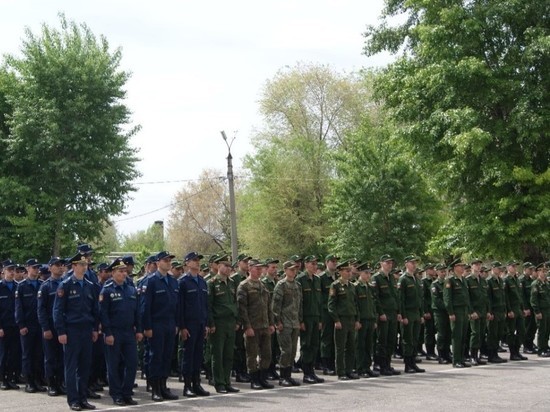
(10, 352)
(161, 350)
(78, 360)
(121, 363)
(32, 354)
(193, 350)
(53, 358)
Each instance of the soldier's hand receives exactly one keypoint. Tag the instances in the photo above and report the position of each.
(1, 333)
(184, 334)
(212, 330)
(110, 340)
(399, 318)
(452, 318)
(358, 325)
(511, 315)
(62, 339)
(422, 321)
(383, 318)
(139, 337)
(427, 316)
(302, 326)
(490, 316)
(237, 327)
(271, 329)
(526, 313)
(320, 326)
(280, 326)
(375, 325)
(48, 335)
(95, 335)
(23, 331)
(538, 316)
(405, 321)
(206, 332)
(249, 332)
(148, 333)
(474, 316)
(338, 325)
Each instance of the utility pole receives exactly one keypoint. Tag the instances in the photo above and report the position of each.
(233, 211)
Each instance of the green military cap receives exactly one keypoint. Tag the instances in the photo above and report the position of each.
(440, 266)
(280, 272)
(484, 269)
(331, 256)
(321, 266)
(256, 263)
(540, 266)
(310, 258)
(456, 262)
(467, 266)
(474, 261)
(429, 266)
(385, 258)
(512, 263)
(242, 257)
(411, 258)
(269, 261)
(296, 258)
(212, 258)
(496, 264)
(528, 265)
(343, 265)
(395, 271)
(289, 264)
(204, 267)
(364, 267)
(221, 258)
(177, 264)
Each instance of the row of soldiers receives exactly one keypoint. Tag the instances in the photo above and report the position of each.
(249, 316)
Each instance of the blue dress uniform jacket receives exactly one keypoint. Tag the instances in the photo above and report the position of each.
(76, 314)
(119, 314)
(10, 349)
(193, 316)
(26, 316)
(53, 350)
(160, 314)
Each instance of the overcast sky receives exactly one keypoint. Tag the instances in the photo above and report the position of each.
(198, 67)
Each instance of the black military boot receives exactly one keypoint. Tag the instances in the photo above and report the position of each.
(290, 378)
(30, 387)
(165, 391)
(285, 377)
(430, 353)
(409, 368)
(263, 380)
(156, 395)
(494, 358)
(197, 388)
(52, 387)
(513, 355)
(314, 376)
(255, 381)
(415, 366)
(272, 374)
(308, 377)
(518, 354)
(388, 365)
(188, 388)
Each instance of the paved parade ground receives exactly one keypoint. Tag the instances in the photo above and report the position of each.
(512, 386)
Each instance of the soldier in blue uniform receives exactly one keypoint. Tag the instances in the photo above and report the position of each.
(26, 317)
(53, 350)
(193, 319)
(76, 319)
(159, 321)
(119, 315)
(10, 350)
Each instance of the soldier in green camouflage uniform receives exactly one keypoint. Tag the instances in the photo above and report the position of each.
(387, 308)
(540, 302)
(223, 322)
(311, 310)
(441, 316)
(287, 314)
(497, 310)
(366, 308)
(479, 302)
(239, 359)
(327, 333)
(411, 308)
(515, 311)
(342, 307)
(269, 281)
(256, 316)
(457, 303)
(526, 279)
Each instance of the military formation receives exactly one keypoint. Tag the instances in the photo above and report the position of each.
(70, 327)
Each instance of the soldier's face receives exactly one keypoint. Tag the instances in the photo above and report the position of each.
(272, 269)
(386, 265)
(512, 269)
(255, 272)
(9, 274)
(331, 264)
(365, 276)
(243, 265)
(290, 273)
(311, 267)
(119, 275)
(459, 270)
(151, 267)
(56, 269)
(411, 266)
(79, 269)
(345, 273)
(441, 273)
(476, 267)
(164, 264)
(194, 264)
(224, 270)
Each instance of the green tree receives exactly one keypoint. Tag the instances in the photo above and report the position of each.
(199, 217)
(470, 90)
(145, 242)
(380, 202)
(65, 138)
(307, 110)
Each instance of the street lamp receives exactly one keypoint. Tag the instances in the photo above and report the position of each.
(231, 182)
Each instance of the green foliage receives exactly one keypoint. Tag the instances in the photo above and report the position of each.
(471, 93)
(380, 202)
(145, 242)
(65, 139)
